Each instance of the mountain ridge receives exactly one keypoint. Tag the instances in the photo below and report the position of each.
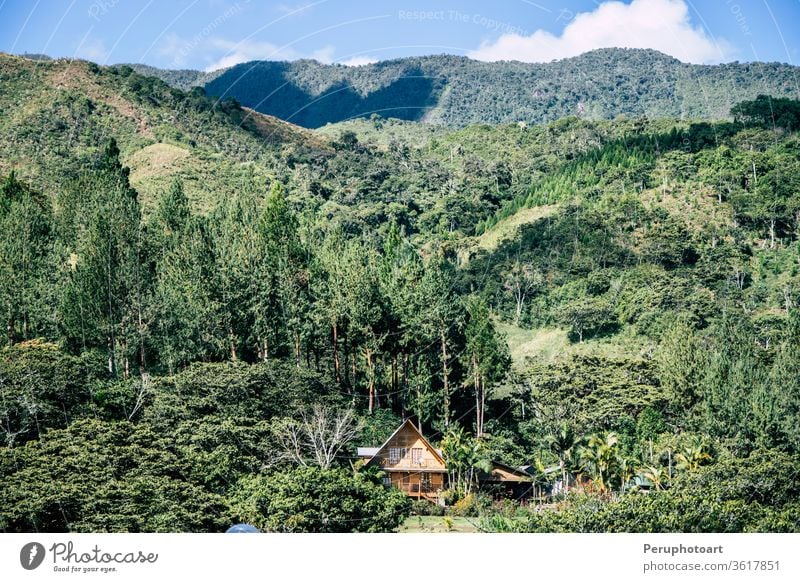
(457, 91)
(56, 114)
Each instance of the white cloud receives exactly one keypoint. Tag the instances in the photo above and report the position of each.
(359, 61)
(92, 49)
(174, 47)
(241, 52)
(324, 55)
(293, 9)
(662, 25)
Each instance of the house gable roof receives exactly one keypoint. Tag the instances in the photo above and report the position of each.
(408, 425)
(502, 472)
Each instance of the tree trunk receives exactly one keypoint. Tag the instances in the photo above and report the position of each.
(772, 233)
(483, 405)
(395, 374)
(232, 345)
(336, 354)
(353, 366)
(445, 379)
(112, 368)
(476, 378)
(405, 371)
(297, 348)
(371, 381)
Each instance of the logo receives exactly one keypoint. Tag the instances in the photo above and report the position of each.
(31, 555)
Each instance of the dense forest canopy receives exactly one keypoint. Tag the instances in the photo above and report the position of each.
(189, 288)
(457, 91)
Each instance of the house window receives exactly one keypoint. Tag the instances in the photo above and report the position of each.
(416, 456)
(387, 480)
(395, 454)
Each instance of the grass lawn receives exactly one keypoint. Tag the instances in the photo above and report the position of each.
(549, 344)
(438, 524)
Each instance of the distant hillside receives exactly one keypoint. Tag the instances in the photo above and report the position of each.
(184, 79)
(458, 91)
(70, 108)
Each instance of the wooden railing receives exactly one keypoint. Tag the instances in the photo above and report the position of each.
(407, 463)
(417, 489)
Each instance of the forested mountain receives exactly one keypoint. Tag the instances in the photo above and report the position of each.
(56, 113)
(195, 339)
(185, 79)
(457, 91)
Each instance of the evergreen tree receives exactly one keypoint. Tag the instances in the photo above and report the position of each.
(27, 260)
(487, 354)
(104, 299)
(187, 312)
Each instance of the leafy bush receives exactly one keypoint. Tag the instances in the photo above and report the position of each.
(467, 506)
(419, 507)
(309, 499)
(754, 494)
(103, 477)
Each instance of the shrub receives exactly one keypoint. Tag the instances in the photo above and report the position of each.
(754, 494)
(310, 499)
(466, 507)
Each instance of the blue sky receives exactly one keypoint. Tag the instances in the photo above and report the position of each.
(207, 34)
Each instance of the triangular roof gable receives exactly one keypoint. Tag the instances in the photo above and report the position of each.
(408, 424)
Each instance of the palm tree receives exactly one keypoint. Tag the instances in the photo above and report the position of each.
(658, 476)
(693, 455)
(562, 443)
(600, 458)
(626, 467)
(465, 457)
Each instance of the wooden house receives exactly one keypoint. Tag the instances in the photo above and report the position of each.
(504, 481)
(414, 466)
(409, 463)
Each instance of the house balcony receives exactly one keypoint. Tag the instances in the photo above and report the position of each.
(419, 491)
(409, 465)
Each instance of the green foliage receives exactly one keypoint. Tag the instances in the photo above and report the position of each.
(465, 457)
(378, 427)
(324, 501)
(102, 301)
(587, 317)
(241, 274)
(754, 494)
(103, 476)
(26, 265)
(419, 507)
(458, 91)
(42, 388)
(467, 506)
(769, 112)
(602, 390)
